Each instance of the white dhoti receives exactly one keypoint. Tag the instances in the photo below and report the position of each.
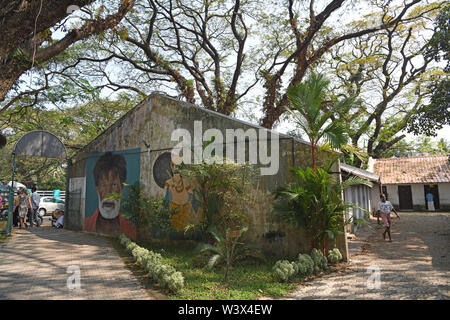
(431, 206)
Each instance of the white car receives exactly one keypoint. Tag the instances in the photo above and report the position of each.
(48, 205)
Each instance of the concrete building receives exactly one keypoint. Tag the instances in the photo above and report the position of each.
(363, 196)
(407, 181)
(138, 147)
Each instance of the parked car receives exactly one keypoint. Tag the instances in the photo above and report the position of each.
(48, 205)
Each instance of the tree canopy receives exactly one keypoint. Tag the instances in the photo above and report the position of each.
(236, 57)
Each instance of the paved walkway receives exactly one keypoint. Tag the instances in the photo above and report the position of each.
(416, 265)
(34, 265)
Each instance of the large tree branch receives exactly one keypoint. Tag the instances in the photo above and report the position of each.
(13, 67)
(274, 108)
(18, 18)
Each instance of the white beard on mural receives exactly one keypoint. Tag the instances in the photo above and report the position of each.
(109, 209)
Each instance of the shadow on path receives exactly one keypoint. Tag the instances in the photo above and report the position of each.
(34, 265)
(415, 265)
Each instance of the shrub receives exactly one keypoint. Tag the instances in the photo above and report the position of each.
(176, 281)
(283, 270)
(130, 246)
(140, 255)
(334, 256)
(305, 265)
(164, 274)
(320, 261)
(124, 241)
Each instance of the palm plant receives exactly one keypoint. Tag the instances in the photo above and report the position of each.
(312, 113)
(227, 247)
(348, 150)
(314, 202)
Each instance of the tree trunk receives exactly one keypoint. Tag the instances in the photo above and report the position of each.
(313, 149)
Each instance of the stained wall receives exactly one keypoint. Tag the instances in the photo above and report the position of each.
(148, 128)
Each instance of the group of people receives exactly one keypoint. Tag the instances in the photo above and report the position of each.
(26, 206)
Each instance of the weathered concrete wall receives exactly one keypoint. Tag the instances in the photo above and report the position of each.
(149, 127)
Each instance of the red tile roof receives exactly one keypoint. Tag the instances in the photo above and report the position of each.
(422, 169)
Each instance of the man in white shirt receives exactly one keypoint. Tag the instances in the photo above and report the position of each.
(385, 208)
(35, 200)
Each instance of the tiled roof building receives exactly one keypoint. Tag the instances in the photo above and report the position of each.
(422, 169)
(407, 181)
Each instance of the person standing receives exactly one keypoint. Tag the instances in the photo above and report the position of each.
(16, 211)
(430, 201)
(35, 200)
(386, 208)
(24, 204)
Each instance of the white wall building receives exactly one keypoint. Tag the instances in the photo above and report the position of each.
(407, 181)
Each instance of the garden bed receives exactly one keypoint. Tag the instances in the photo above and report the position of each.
(249, 279)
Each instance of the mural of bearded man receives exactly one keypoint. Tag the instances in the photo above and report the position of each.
(110, 173)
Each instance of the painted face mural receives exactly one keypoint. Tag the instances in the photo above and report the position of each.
(178, 192)
(109, 182)
(110, 172)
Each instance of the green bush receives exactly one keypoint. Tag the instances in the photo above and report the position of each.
(283, 270)
(305, 265)
(130, 246)
(334, 256)
(124, 241)
(164, 274)
(140, 254)
(176, 281)
(320, 261)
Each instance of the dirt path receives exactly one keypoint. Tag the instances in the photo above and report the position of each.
(37, 264)
(416, 265)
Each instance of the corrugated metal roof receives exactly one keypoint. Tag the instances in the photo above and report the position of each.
(360, 172)
(422, 169)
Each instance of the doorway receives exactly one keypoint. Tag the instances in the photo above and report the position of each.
(405, 198)
(433, 189)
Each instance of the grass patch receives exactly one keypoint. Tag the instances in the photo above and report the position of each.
(248, 280)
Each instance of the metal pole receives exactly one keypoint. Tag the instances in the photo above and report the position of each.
(67, 198)
(11, 198)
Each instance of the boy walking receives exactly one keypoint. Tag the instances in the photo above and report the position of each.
(386, 208)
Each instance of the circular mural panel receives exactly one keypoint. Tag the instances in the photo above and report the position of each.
(161, 169)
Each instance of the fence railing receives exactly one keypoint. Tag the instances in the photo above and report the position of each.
(43, 193)
(49, 193)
